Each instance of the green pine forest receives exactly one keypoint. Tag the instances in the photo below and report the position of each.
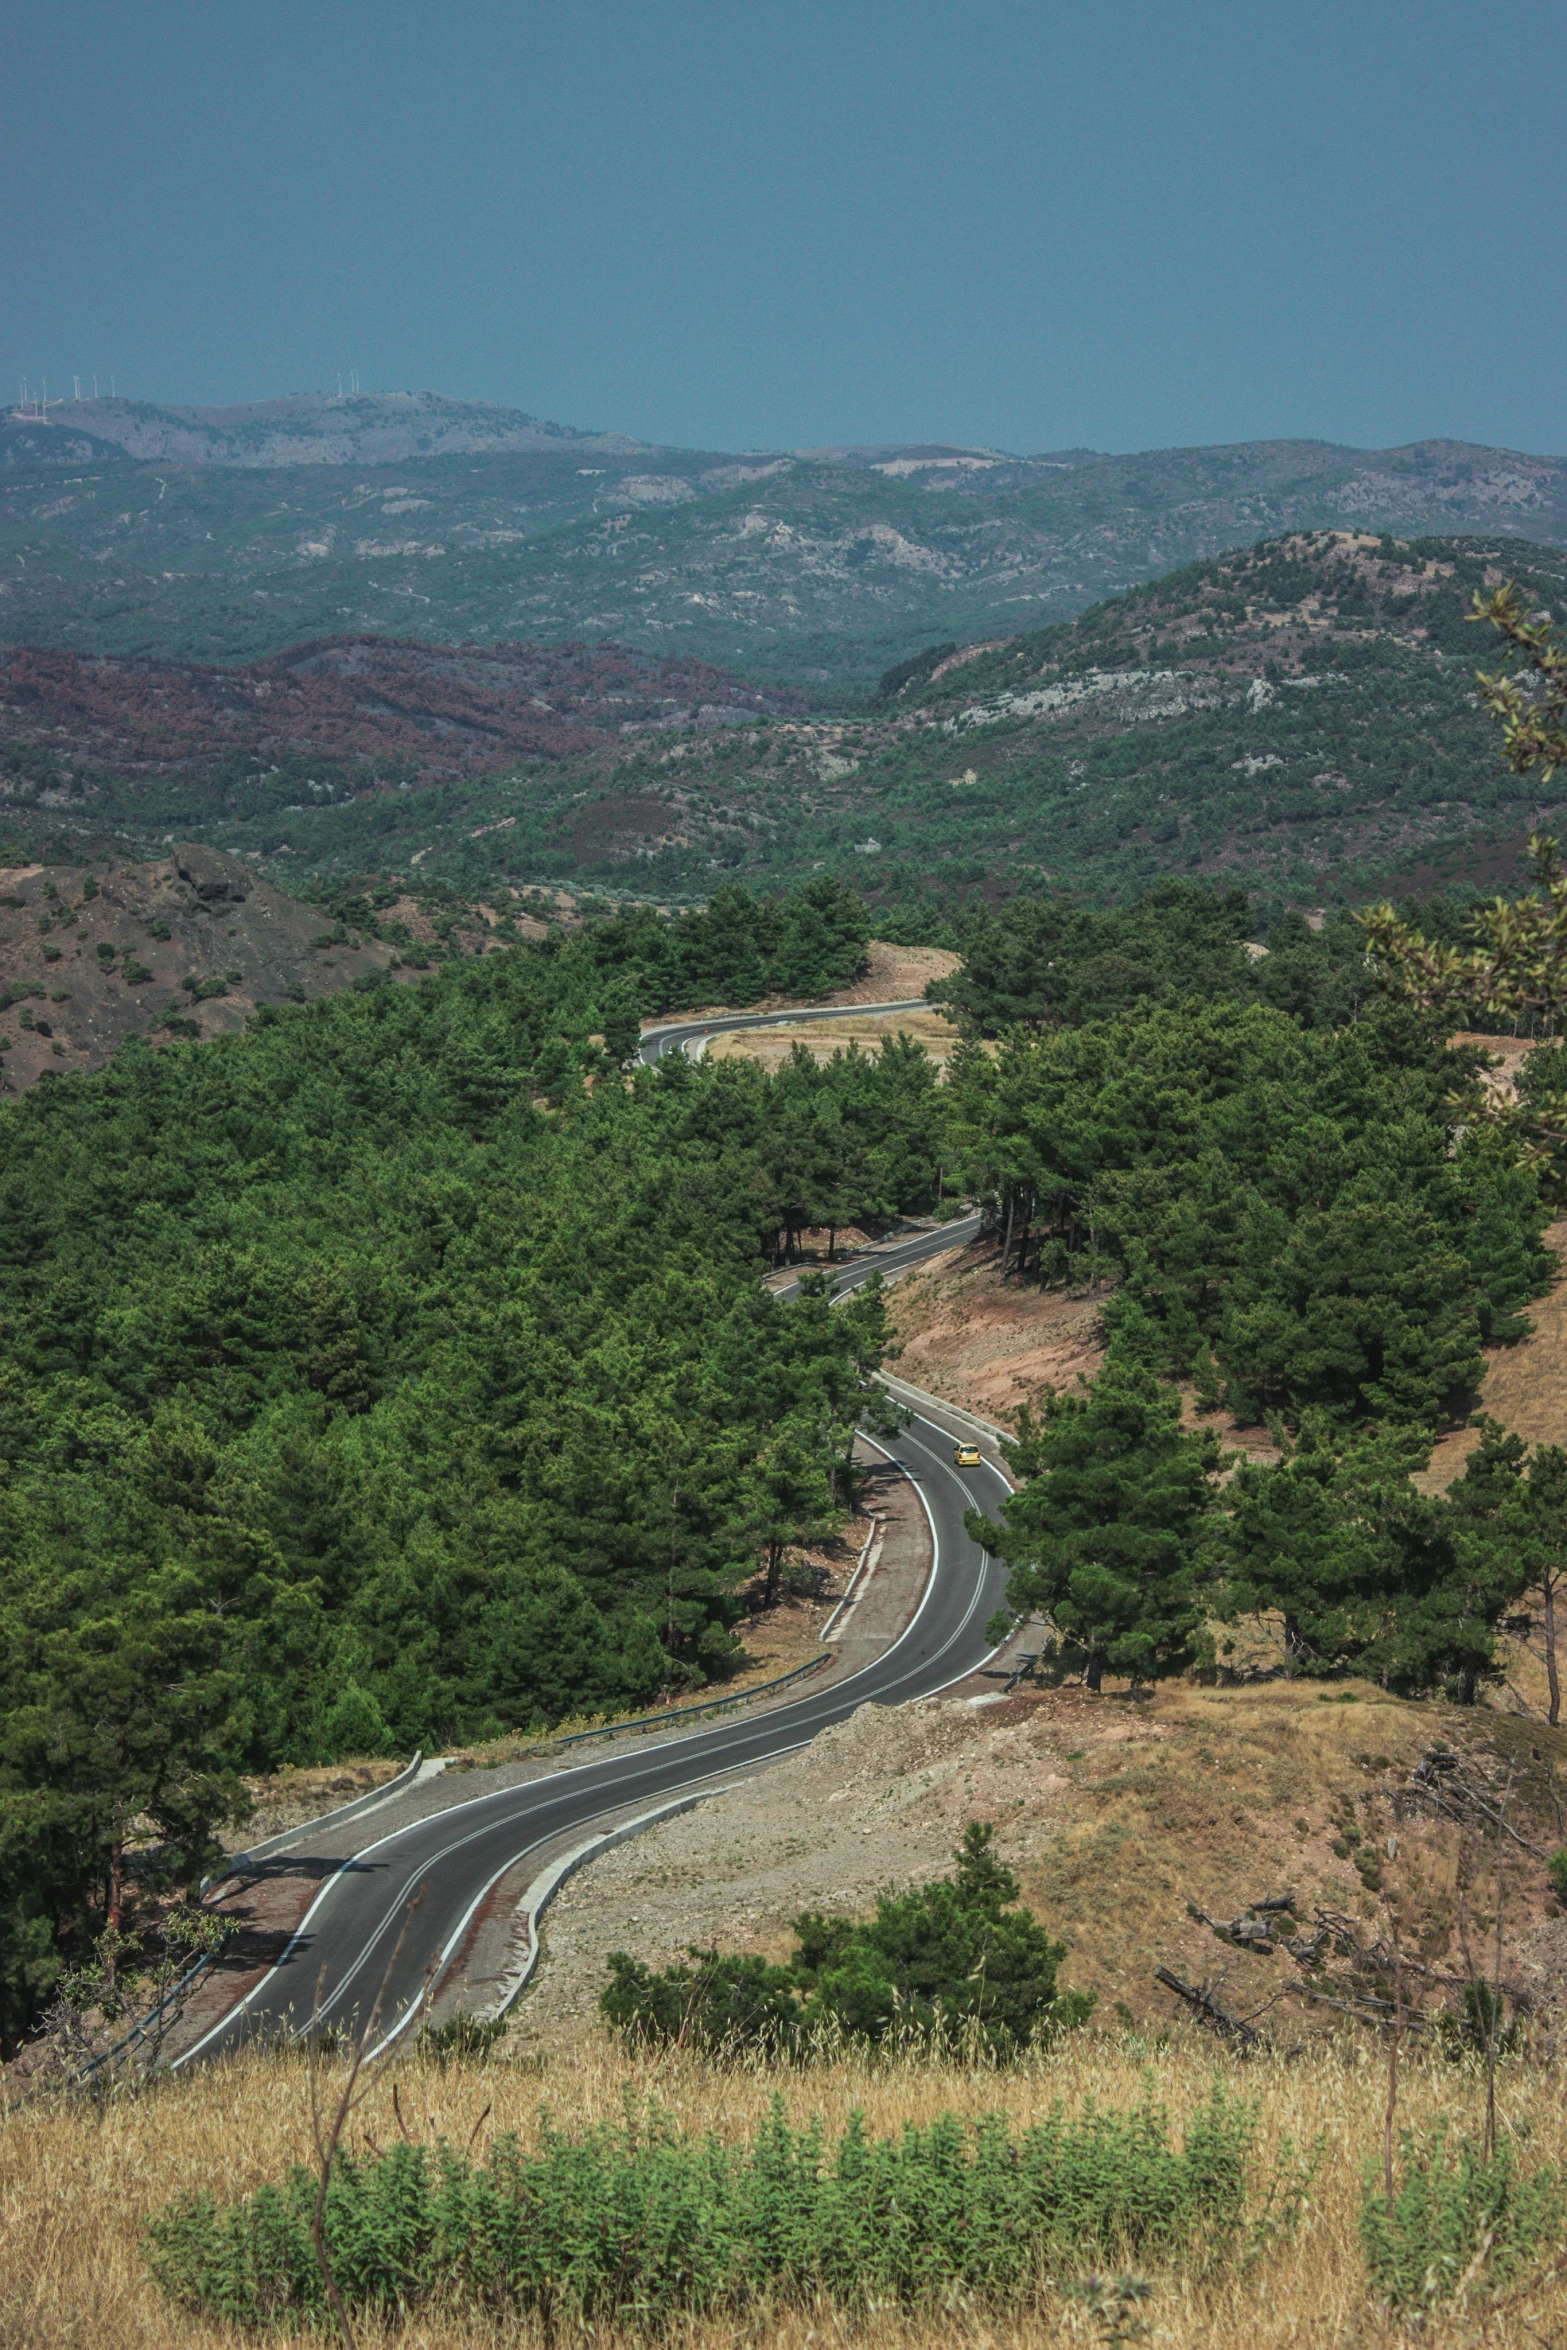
(401, 1369)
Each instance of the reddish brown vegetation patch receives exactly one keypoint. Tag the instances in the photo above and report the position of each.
(624, 820)
(450, 710)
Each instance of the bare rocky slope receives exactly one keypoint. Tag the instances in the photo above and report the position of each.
(1139, 1830)
(187, 945)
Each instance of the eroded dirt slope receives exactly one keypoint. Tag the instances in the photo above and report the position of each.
(91, 955)
(989, 1343)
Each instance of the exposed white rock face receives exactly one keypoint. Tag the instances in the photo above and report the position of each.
(653, 489)
(1129, 695)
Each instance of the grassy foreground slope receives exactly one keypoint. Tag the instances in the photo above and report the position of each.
(82, 2183)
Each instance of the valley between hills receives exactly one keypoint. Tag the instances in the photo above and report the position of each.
(993, 1528)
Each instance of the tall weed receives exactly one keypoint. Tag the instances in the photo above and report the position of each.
(641, 2221)
(1460, 2223)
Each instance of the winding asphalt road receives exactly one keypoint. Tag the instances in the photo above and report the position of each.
(341, 1962)
(689, 1036)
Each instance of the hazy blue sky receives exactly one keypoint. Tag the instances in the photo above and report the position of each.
(746, 225)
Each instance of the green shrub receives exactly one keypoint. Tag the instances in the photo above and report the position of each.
(1556, 1869)
(719, 2002)
(950, 1959)
(1459, 2223)
(1481, 2022)
(462, 2039)
(642, 2221)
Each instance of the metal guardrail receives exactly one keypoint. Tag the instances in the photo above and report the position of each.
(286, 1837)
(687, 1713)
(145, 2023)
(900, 1388)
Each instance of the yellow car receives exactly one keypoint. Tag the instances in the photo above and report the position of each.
(968, 1456)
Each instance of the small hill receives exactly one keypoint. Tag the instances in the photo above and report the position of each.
(188, 945)
(1297, 718)
(147, 742)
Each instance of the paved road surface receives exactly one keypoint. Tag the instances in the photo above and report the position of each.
(690, 1035)
(342, 1953)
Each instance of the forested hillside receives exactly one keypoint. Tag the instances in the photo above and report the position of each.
(1298, 719)
(398, 1370)
(401, 1368)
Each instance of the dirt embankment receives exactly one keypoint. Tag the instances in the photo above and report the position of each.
(1120, 1818)
(987, 1343)
(822, 1038)
(896, 974)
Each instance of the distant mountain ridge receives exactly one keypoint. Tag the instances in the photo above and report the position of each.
(231, 534)
(309, 428)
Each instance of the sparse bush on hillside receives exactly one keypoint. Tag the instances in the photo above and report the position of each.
(1461, 2224)
(462, 2039)
(950, 1961)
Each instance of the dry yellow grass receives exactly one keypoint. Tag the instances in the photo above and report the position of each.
(834, 1033)
(76, 2184)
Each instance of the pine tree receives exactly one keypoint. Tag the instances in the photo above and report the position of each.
(1104, 1536)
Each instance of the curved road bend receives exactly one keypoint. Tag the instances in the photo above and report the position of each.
(344, 1947)
(677, 1036)
(682, 1035)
